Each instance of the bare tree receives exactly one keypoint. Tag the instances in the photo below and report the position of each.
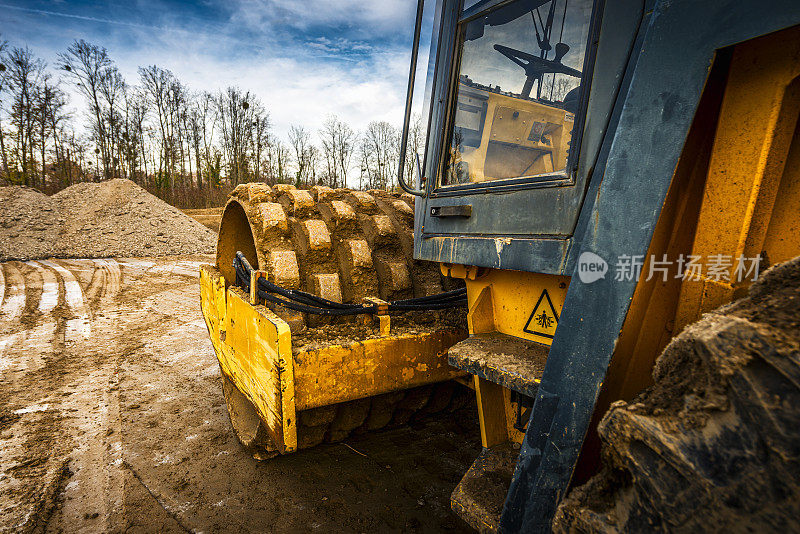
(416, 142)
(112, 87)
(26, 72)
(338, 146)
(378, 153)
(177, 107)
(278, 161)
(206, 123)
(87, 64)
(314, 156)
(188, 129)
(158, 83)
(49, 103)
(239, 114)
(300, 140)
(3, 78)
(259, 141)
(195, 137)
(56, 116)
(132, 137)
(76, 152)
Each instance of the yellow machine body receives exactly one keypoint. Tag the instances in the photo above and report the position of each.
(523, 305)
(735, 194)
(254, 349)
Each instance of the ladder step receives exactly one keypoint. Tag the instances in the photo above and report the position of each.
(478, 499)
(509, 361)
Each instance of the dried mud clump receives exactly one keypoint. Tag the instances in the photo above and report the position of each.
(714, 444)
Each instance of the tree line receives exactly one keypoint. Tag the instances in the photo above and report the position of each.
(162, 134)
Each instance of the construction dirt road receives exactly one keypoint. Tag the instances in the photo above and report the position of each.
(112, 419)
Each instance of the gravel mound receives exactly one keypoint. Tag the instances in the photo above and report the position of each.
(30, 223)
(91, 220)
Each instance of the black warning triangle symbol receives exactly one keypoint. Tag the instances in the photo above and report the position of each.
(543, 319)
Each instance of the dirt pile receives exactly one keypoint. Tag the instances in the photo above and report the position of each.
(106, 219)
(30, 223)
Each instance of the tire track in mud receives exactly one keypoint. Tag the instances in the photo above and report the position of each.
(80, 325)
(59, 403)
(50, 288)
(2, 285)
(30, 324)
(14, 297)
(46, 297)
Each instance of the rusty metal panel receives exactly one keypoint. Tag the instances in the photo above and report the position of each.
(341, 373)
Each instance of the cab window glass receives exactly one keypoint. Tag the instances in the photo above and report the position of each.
(518, 90)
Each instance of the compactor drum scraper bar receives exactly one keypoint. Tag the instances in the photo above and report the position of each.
(600, 174)
(293, 379)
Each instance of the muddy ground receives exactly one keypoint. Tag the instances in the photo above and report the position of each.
(112, 419)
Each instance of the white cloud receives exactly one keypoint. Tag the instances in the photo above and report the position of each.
(369, 17)
(300, 88)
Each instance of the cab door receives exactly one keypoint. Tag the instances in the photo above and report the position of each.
(503, 150)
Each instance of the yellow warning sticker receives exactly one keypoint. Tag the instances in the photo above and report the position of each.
(543, 319)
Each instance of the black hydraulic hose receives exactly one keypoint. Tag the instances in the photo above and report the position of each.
(243, 262)
(446, 296)
(308, 303)
(316, 310)
(242, 279)
(303, 297)
(243, 270)
(314, 300)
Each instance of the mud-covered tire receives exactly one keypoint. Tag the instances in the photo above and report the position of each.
(246, 423)
(339, 244)
(714, 445)
(338, 421)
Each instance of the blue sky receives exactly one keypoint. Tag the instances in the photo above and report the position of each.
(303, 58)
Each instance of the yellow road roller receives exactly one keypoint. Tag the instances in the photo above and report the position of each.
(293, 379)
(601, 181)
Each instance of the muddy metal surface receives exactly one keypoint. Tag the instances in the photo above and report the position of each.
(112, 419)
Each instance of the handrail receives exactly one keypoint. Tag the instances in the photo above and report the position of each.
(407, 118)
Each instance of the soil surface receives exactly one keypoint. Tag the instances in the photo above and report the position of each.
(208, 217)
(402, 323)
(96, 220)
(112, 419)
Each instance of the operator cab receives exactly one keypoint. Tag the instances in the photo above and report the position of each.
(506, 106)
(519, 78)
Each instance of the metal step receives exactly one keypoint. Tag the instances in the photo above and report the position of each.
(509, 361)
(478, 499)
